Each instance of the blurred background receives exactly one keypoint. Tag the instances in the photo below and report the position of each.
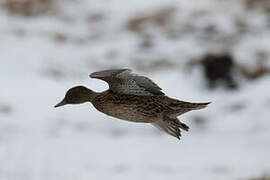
(211, 50)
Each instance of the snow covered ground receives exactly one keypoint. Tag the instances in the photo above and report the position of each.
(43, 55)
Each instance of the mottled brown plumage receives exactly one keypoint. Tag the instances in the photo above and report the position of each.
(134, 98)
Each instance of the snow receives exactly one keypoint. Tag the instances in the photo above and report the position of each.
(43, 56)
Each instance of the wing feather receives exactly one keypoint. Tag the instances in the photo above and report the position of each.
(124, 82)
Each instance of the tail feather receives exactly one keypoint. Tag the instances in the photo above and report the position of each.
(181, 107)
(188, 105)
(197, 106)
(176, 132)
(171, 126)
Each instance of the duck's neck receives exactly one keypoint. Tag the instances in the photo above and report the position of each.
(91, 95)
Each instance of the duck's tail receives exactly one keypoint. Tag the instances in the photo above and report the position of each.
(170, 123)
(183, 106)
(177, 108)
(194, 106)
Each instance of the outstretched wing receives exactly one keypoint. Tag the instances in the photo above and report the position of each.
(124, 82)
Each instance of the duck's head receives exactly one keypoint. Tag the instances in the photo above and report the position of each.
(77, 95)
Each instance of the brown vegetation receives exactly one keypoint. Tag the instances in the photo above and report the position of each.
(5, 109)
(258, 4)
(159, 18)
(263, 177)
(27, 7)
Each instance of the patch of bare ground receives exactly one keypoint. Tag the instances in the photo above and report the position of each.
(259, 70)
(60, 37)
(5, 109)
(199, 122)
(63, 38)
(258, 4)
(20, 32)
(95, 17)
(220, 170)
(148, 65)
(236, 107)
(117, 132)
(159, 18)
(27, 7)
(120, 168)
(263, 177)
(35, 8)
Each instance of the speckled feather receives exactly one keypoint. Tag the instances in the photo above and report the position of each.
(124, 82)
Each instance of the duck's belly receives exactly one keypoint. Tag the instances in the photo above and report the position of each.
(128, 112)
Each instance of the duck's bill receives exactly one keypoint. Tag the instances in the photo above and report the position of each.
(62, 103)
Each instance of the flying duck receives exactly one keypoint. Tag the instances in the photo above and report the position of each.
(134, 98)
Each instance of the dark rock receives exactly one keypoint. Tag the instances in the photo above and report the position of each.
(218, 69)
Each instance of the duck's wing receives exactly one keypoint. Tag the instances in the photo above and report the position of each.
(124, 82)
